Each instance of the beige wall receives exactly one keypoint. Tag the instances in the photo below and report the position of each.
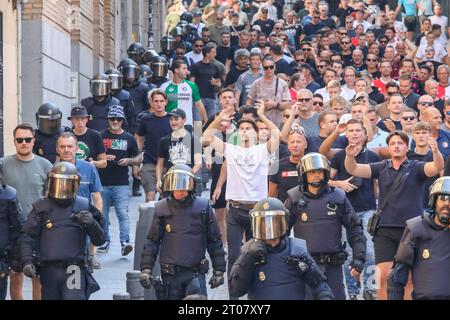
(10, 82)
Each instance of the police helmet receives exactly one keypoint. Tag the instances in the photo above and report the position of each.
(160, 67)
(177, 31)
(100, 85)
(48, 119)
(440, 187)
(187, 16)
(168, 43)
(63, 181)
(269, 219)
(148, 56)
(131, 72)
(135, 52)
(146, 72)
(116, 79)
(185, 27)
(314, 161)
(179, 178)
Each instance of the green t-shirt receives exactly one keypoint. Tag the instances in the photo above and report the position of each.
(182, 96)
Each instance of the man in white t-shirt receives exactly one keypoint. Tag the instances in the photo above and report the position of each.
(196, 53)
(247, 173)
(441, 20)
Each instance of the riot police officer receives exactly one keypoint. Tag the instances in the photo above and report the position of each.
(318, 214)
(424, 250)
(98, 105)
(138, 90)
(135, 52)
(124, 97)
(11, 221)
(48, 120)
(160, 67)
(273, 266)
(168, 45)
(183, 228)
(57, 228)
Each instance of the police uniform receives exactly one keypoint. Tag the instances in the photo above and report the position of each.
(48, 118)
(11, 221)
(128, 105)
(53, 242)
(98, 111)
(424, 251)
(181, 231)
(279, 272)
(318, 218)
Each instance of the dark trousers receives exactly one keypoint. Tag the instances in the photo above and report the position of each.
(238, 223)
(56, 284)
(335, 279)
(183, 283)
(3, 287)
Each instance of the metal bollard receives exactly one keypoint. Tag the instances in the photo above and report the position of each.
(121, 296)
(146, 212)
(134, 287)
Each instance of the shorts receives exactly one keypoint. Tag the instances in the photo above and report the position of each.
(386, 242)
(148, 172)
(410, 23)
(215, 173)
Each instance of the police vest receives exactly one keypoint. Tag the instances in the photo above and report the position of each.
(319, 221)
(138, 93)
(62, 238)
(431, 268)
(184, 241)
(45, 146)
(276, 280)
(7, 199)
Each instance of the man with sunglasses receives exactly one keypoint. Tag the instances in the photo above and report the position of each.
(121, 152)
(196, 54)
(426, 258)
(346, 50)
(218, 28)
(27, 173)
(312, 28)
(408, 121)
(343, 11)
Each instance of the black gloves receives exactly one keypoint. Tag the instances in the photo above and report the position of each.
(146, 278)
(357, 264)
(258, 251)
(30, 270)
(217, 279)
(84, 217)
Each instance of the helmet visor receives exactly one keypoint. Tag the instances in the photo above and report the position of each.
(179, 180)
(168, 44)
(49, 125)
(62, 187)
(160, 69)
(131, 73)
(116, 81)
(314, 162)
(267, 225)
(100, 87)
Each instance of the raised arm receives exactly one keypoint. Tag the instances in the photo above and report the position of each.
(354, 168)
(434, 168)
(274, 141)
(209, 136)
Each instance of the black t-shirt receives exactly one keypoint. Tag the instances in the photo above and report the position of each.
(233, 75)
(266, 26)
(282, 66)
(311, 29)
(122, 146)
(222, 53)
(234, 31)
(232, 51)
(329, 23)
(376, 75)
(179, 150)
(286, 178)
(363, 198)
(90, 145)
(428, 157)
(341, 13)
(314, 143)
(203, 73)
(153, 128)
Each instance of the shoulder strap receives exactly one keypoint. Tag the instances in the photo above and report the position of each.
(398, 182)
(276, 87)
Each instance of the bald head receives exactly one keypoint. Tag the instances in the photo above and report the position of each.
(433, 117)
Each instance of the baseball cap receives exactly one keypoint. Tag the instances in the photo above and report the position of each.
(177, 113)
(256, 27)
(116, 112)
(197, 13)
(78, 111)
(361, 94)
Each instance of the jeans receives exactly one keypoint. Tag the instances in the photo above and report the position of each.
(368, 276)
(119, 194)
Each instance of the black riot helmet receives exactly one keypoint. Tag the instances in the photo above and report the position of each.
(187, 16)
(131, 72)
(168, 44)
(116, 79)
(100, 86)
(160, 67)
(441, 187)
(135, 52)
(146, 72)
(62, 182)
(177, 32)
(148, 56)
(269, 219)
(185, 27)
(48, 119)
(179, 178)
(311, 162)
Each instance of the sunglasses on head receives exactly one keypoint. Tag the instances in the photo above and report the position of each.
(21, 140)
(298, 131)
(269, 67)
(115, 119)
(408, 118)
(304, 100)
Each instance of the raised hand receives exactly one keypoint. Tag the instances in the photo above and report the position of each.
(352, 150)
